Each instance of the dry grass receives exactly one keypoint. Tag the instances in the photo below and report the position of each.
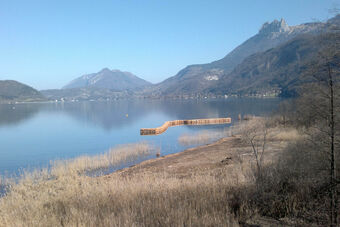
(64, 196)
(222, 194)
(291, 184)
(115, 156)
(274, 131)
(285, 134)
(203, 137)
(140, 200)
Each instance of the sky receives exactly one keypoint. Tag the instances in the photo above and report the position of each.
(47, 43)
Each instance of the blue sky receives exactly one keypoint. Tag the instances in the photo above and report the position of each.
(47, 43)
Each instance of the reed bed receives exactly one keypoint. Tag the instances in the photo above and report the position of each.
(139, 200)
(203, 137)
(115, 156)
(224, 195)
(64, 196)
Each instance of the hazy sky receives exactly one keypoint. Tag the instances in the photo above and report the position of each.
(47, 43)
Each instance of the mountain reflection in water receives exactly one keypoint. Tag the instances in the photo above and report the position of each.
(33, 134)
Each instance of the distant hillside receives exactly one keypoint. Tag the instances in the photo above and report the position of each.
(194, 79)
(13, 91)
(269, 63)
(87, 93)
(108, 79)
(277, 71)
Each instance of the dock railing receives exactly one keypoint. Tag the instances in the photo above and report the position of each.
(167, 124)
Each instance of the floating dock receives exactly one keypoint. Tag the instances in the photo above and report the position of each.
(167, 124)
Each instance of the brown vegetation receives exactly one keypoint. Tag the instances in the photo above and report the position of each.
(111, 158)
(218, 184)
(195, 187)
(202, 137)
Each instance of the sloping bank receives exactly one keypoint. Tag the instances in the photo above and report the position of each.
(193, 188)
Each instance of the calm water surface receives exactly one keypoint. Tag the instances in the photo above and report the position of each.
(33, 134)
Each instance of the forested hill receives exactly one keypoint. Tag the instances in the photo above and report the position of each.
(13, 91)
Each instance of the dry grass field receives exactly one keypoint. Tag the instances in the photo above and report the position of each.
(203, 137)
(209, 185)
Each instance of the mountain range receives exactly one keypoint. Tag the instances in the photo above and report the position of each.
(268, 63)
(104, 85)
(109, 79)
(198, 80)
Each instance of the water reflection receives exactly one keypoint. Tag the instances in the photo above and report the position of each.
(118, 114)
(188, 109)
(114, 115)
(33, 134)
(107, 115)
(14, 114)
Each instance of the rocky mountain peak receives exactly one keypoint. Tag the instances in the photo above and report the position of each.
(275, 26)
(105, 70)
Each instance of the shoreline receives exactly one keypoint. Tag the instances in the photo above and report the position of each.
(196, 185)
(196, 159)
(141, 98)
(230, 151)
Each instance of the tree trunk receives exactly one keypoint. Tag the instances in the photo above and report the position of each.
(333, 193)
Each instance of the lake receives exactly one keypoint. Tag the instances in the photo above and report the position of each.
(31, 135)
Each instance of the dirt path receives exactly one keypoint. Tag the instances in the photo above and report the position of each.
(194, 159)
(226, 151)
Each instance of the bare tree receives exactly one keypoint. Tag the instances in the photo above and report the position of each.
(254, 132)
(319, 108)
(286, 112)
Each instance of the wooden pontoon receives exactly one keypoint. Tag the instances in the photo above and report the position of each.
(167, 124)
